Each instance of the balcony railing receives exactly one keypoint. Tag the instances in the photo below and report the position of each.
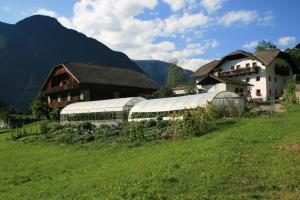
(63, 102)
(61, 88)
(241, 71)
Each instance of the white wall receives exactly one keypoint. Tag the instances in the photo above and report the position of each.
(261, 85)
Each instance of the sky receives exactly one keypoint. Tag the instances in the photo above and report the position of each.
(193, 32)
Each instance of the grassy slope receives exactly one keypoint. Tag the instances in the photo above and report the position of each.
(239, 161)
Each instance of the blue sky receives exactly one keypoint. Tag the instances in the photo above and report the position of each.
(192, 31)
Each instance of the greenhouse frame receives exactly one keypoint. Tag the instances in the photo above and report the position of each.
(162, 108)
(111, 111)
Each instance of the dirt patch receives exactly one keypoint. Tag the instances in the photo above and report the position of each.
(290, 147)
(279, 108)
(267, 108)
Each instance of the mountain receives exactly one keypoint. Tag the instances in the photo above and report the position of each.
(30, 48)
(158, 70)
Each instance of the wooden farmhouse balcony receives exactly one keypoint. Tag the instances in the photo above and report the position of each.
(61, 88)
(63, 102)
(241, 71)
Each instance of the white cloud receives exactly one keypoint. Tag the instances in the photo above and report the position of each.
(176, 5)
(240, 16)
(251, 45)
(288, 40)
(43, 11)
(194, 64)
(266, 19)
(5, 8)
(212, 5)
(187, 21)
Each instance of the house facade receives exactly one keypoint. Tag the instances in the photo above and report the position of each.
(212, 83)
(74, 82)
(266, 72)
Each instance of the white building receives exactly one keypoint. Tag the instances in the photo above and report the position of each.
(265, 72)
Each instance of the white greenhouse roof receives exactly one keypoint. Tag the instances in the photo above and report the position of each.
(110, 105)
(180, 103)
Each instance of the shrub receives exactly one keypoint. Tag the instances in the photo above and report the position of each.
(196, 121)
(43, 128)
(141, 131)
(107, 132)
(290, 91)
(54, 114)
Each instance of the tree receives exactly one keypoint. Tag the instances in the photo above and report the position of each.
(295, 55)
(265, 45)
(175, 75)
(163, 92)
(39, 107)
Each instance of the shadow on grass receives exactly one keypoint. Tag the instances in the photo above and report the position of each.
(224, 124)
(4, 131)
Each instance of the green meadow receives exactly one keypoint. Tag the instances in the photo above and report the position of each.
(242, 158)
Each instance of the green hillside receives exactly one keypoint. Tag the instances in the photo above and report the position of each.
(247, 158)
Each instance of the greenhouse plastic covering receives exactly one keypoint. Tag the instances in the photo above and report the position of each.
(180, 103)
(111, 105)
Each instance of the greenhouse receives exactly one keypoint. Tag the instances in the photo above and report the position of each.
(162, 108)
(111, 111)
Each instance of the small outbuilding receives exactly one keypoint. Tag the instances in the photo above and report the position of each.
(154, 108)
(111, 111)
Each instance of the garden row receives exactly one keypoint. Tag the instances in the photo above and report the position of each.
(193, 122)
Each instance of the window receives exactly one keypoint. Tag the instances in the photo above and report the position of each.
(248, 65)
(236, 90)
(81, 96)
(270, 78)
(232, 67)
(270, 91)
(238, 66)
(247, 80)
(275, 79)
(258, 93)
(254, 64)
(258, 78)
(241, 92)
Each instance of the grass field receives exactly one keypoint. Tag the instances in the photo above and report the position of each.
(247, 158)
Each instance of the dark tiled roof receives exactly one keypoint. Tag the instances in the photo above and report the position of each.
(267, 56)
(205, 69)
(95, 74)
(225, 80)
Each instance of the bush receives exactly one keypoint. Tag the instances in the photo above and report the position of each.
(290, 92)
(105, 132)
(196, 121)
(43, 128)
(142, 131)
(54, 114)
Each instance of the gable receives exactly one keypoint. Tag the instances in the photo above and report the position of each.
(59, 76)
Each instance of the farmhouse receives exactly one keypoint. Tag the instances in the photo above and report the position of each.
(73, 82)
(260, 75)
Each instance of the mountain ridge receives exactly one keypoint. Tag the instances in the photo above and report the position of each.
(30, 48)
